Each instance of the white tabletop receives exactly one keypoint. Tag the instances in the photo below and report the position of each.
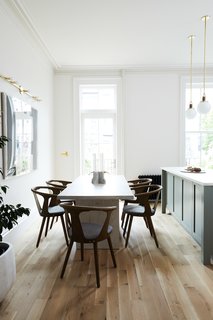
(202, 178)
(115, 187)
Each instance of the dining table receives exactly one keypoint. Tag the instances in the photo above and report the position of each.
(112, 192)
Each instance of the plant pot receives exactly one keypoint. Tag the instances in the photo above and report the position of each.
(7, 269)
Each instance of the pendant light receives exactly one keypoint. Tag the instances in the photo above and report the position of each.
(204, 106)
(191, 112)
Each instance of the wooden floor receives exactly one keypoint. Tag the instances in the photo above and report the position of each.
(148, 283)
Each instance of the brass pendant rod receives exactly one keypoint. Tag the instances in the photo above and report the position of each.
(191, 37)
(204, 18)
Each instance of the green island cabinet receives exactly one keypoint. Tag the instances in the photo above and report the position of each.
(189, 198)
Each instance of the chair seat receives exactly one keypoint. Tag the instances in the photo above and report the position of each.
(129, 207)
(56, 210)
(136, 210)
(91, 230)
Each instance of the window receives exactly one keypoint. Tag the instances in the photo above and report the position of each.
(97, 108)
(199, 131)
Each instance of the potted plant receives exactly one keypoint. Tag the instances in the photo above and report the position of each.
(9, 215)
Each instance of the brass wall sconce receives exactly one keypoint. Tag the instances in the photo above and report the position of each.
(19, 87)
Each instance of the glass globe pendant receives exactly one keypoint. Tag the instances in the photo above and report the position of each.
(191, 112)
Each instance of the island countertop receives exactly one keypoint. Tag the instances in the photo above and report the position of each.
(204, 178)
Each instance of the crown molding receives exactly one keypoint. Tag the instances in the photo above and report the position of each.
(23, 17)
(121, 69)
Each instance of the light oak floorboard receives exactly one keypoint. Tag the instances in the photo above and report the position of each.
(165, 283)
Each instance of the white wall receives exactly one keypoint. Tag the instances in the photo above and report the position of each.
(22, 60)
(152, 125)
(151, 106)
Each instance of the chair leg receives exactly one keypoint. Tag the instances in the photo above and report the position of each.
(126, 223)
(122, 219)
(40, 231)
(123, 216)
(64, 229)
(66, 258)
(82, 251)
(96, 264)
(112, 252)
(152, 230)
(47, 226)
(128, 231)
(146, 223)
(51, 224)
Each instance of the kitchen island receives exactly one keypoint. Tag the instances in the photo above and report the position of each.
(189, 198)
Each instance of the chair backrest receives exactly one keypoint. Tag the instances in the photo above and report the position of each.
(73, 220)
(135, 182)
(45, 197)
(145, 193)
(141, 186)
(58, 183)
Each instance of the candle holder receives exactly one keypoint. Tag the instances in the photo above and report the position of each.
(98, 177)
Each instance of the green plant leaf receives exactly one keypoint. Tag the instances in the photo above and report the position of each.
(3, 141)
(4, 188)
(9, 213)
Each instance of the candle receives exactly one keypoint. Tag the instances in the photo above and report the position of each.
(101, 162)
(94, 162)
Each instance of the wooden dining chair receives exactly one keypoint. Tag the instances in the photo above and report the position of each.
(60, 185)
(134, 185)
(87, 232)
(144, 207)
(48, 208)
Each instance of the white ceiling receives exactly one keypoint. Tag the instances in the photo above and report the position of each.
(120, 33)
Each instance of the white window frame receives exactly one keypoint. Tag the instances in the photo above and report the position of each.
(77, 121)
